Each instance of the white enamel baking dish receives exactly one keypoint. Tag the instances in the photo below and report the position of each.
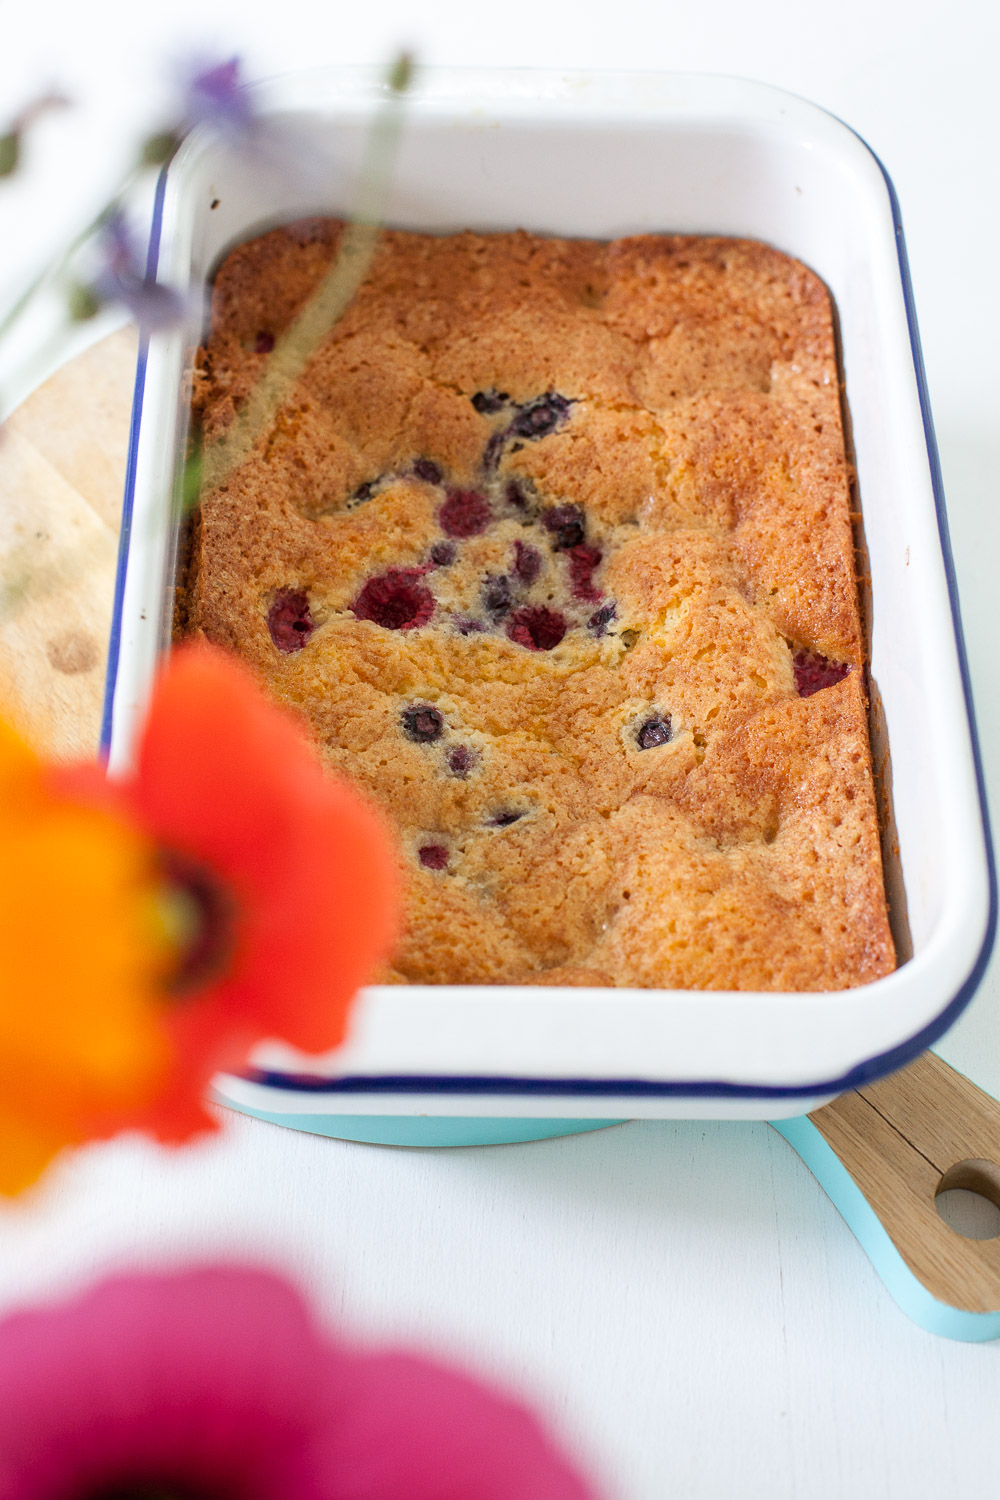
(607, 155)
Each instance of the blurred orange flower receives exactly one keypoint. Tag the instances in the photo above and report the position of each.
(152, 930)
(81, 957)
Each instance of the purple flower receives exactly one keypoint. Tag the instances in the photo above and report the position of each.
(122, 278)
(211, 94)
(216, 95)
(217, 1382)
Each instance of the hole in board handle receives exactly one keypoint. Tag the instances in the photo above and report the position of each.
(968, 1199)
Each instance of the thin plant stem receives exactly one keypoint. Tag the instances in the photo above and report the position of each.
(50, 272)
(299, 342)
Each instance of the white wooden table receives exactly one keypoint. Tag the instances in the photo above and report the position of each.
(680, 1299)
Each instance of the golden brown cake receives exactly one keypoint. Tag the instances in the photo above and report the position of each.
(553, 549)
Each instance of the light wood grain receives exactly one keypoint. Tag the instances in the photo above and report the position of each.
(903, 1140)
(62, 467)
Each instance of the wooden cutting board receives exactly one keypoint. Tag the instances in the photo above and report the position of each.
(62, 465)
(882, 1153)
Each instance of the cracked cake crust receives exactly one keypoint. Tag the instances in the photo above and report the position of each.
(552, 547)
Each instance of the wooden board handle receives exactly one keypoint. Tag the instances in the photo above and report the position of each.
(903, 1141)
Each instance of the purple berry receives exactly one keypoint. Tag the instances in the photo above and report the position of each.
(497, 598)
(565, 523)
(289, 620)
(492, 451)
(422, 723)
(464, 513)
(814, 672)
(540, 417)
(461, 760)
(433, 856)
(263, 343)
(428, 471)
(515, 496)
(395, 600)
(601, 619)
(505, 819)
(364, 491)
(527, 562)
(488, 402)
(537, 628)
(443, 554)
(469, 627)
(653, 732)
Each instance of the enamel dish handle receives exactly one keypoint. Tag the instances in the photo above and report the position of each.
(883, 1154)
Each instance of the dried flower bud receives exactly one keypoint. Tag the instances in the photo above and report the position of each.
(401, 73)
(12, 140)
(84, 303)
(10, 153)
(158, 148)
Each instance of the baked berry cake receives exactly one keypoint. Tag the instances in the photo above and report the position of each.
(553, 549)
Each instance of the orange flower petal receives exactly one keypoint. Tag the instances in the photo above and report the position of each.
(81, 1035)
(229, 780)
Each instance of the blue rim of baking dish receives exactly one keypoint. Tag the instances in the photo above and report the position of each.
(639, 1088)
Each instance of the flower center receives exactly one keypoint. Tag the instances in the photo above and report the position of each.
(146, 1489)
(198, 915)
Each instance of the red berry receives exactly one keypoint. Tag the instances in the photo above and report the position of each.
(814, 672)
(289, 620)
(582, 562)
(537, 628)
(464, 513)
(433, 856)
(422, 723)
(396, 601)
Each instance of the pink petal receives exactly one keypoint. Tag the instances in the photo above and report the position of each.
(214, 1376)
(414, 1431)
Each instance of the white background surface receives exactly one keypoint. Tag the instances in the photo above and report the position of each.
(680, 1299)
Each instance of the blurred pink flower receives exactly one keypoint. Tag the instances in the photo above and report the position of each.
(216, 1384)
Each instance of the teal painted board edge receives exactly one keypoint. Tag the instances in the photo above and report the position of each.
(429, 1130)
(909, 1294)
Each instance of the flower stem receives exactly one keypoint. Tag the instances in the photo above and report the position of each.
(54, 269)
(299, 342)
